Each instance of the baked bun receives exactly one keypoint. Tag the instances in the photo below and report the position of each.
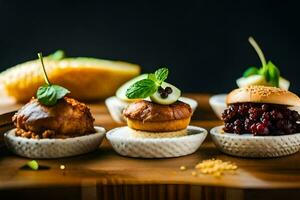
(148, 116)
(263, 94)
(170, 134)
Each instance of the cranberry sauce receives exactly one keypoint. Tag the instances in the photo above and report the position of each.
(260, 119)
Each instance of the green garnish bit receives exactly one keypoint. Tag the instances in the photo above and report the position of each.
(147, 87)
(34, 165)
(251, 71)
(57, 55)
(48, 94)
(270, 72)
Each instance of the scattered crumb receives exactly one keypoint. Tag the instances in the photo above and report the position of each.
(194, 173)
(215, 167)
(62, 167)
(182, 168)
(217, 174)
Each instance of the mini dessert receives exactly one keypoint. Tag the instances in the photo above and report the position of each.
(118, 103)
(261, 110)
(158, 123)
(84, 77)
(149, 116)
(53, 125)
(164, 113)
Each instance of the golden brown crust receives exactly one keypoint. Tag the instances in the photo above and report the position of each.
(67, 118)
(164, 126)
(263, 94)
(146, 111)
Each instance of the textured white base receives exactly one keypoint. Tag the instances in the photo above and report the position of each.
(116, 106)
(248, 145)
(218, 104)
(126, 144)
(53, 148)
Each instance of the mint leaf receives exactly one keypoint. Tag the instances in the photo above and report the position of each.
(152, 77)
(60, 91)
(57, 55)
(273, 74)
(141, 89)
(161, 74)
(46, 95)
(49, 94)
(268, 70)
(147, 87)
(251, 71)
(264, 71)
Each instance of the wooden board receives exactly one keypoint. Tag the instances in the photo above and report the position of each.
(105, 167)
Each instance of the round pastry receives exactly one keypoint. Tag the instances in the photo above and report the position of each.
(67, 118)
(152, 117)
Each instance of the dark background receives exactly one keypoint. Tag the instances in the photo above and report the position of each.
(204, 43)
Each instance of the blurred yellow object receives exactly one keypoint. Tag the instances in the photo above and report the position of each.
(86, 78)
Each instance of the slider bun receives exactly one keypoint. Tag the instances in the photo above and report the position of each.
(170, 134)
(263, 94)
(164, 126)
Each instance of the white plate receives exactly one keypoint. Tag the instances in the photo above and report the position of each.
(247, 145)
(125, 144)
(218, 103)
(53, 148)
(116, 106)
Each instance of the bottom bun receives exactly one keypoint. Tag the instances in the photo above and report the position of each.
(164, 126)
(144, 134)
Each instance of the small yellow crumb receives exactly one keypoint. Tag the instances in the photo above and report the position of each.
(182, 168)
(62, 167)
(194, 173)
(217, 174)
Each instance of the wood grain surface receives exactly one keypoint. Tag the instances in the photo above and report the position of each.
(104, 174)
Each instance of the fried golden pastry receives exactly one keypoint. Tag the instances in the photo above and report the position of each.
(67, 118)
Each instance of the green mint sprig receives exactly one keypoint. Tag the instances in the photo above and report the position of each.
(49, 94)
(146, 87)
(270, 72)
(57, 55)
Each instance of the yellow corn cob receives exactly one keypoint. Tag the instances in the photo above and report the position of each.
(86, 78)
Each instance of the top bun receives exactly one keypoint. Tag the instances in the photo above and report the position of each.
(263, 94)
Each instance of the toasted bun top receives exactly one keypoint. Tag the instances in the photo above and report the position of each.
(263, 94)
(153, 112)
